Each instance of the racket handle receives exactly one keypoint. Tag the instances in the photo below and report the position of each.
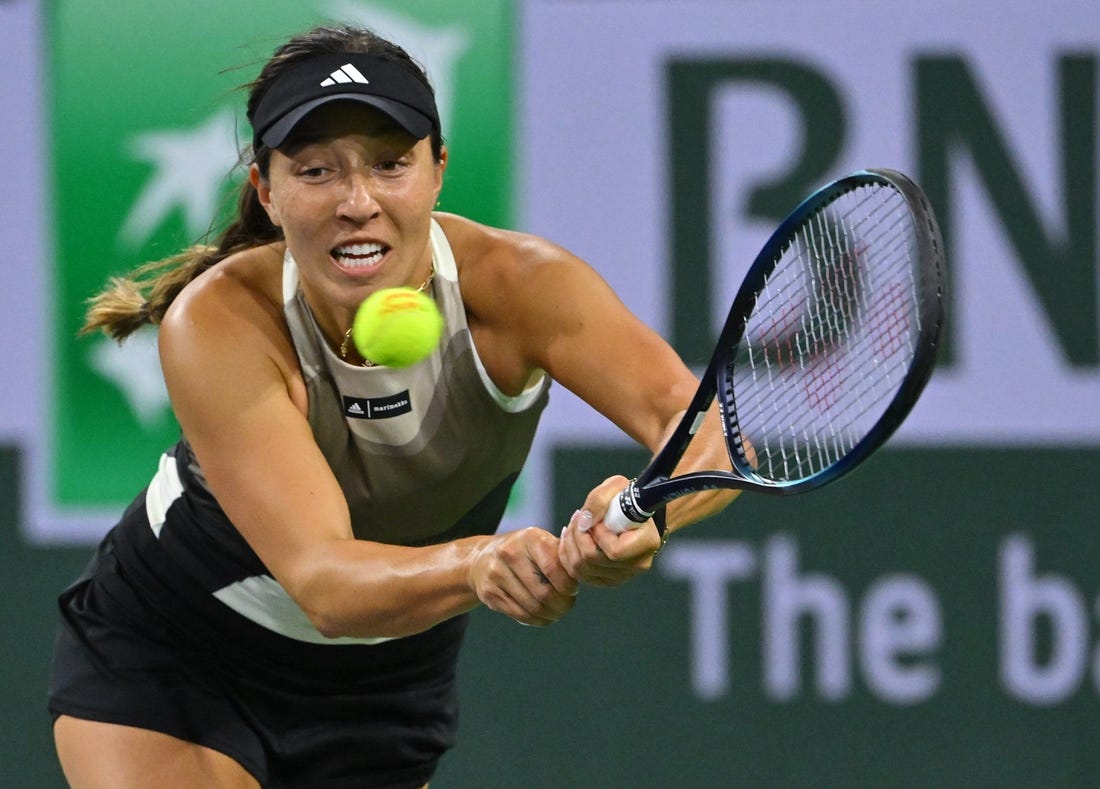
(624, 513)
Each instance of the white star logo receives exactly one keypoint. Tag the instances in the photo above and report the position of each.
(189, 171)
(134, 367)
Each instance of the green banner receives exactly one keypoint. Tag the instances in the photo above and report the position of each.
(929, 620)
(147, 120)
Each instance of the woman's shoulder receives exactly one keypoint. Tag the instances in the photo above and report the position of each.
(246, 274)
(517, 286)
(482, 251)
(244, 288)
(227, 326)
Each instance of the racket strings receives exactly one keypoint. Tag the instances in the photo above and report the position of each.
(831, 337)
(819, 444)
(813, 444)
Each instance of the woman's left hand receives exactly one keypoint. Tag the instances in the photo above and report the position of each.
(595, 555)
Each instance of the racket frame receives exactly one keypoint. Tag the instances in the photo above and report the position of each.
(655, 485)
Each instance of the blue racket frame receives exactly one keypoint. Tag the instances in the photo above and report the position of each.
(654, 486)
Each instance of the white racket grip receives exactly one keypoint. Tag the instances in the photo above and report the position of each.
(616, 518)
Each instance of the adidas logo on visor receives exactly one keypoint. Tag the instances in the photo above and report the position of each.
(346, 73)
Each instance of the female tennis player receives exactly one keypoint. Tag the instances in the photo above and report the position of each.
(284, 604)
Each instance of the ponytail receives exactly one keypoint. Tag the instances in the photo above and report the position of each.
(142, 297)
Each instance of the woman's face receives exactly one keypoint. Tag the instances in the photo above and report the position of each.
(353, 194)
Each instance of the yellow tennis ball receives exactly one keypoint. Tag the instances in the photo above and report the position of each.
(397, 327)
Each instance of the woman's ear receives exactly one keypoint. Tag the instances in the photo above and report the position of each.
(263, 191)
(440, 167)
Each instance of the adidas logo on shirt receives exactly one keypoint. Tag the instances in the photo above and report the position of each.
(385, 407)
(345, 74)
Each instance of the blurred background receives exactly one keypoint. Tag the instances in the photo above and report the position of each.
(932, 620)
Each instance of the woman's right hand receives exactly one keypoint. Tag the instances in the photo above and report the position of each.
(518, 574)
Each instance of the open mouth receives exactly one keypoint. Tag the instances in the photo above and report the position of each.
(355, 255)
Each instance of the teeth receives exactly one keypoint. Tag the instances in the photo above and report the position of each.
(358, 253)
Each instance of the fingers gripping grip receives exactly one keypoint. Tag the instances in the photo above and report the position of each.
(624, 513)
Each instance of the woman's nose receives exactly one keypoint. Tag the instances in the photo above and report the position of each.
(358, 203)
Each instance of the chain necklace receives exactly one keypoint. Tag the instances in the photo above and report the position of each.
(345, 346)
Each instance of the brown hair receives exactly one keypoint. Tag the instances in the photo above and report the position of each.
(142, 297)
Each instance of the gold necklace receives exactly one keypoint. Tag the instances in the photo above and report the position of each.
(345, 345)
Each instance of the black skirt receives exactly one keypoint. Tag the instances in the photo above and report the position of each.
(139, 648)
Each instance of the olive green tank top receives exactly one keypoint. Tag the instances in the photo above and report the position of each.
(427, 453)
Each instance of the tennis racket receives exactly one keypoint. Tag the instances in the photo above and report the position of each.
(829, 342)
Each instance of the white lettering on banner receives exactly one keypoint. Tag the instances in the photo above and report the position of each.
(709, 567)
(788, 599)
(1028, 600)
(899, 624)
(901, 616)
(892, 633)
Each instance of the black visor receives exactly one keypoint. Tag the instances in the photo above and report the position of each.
(386, 85)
